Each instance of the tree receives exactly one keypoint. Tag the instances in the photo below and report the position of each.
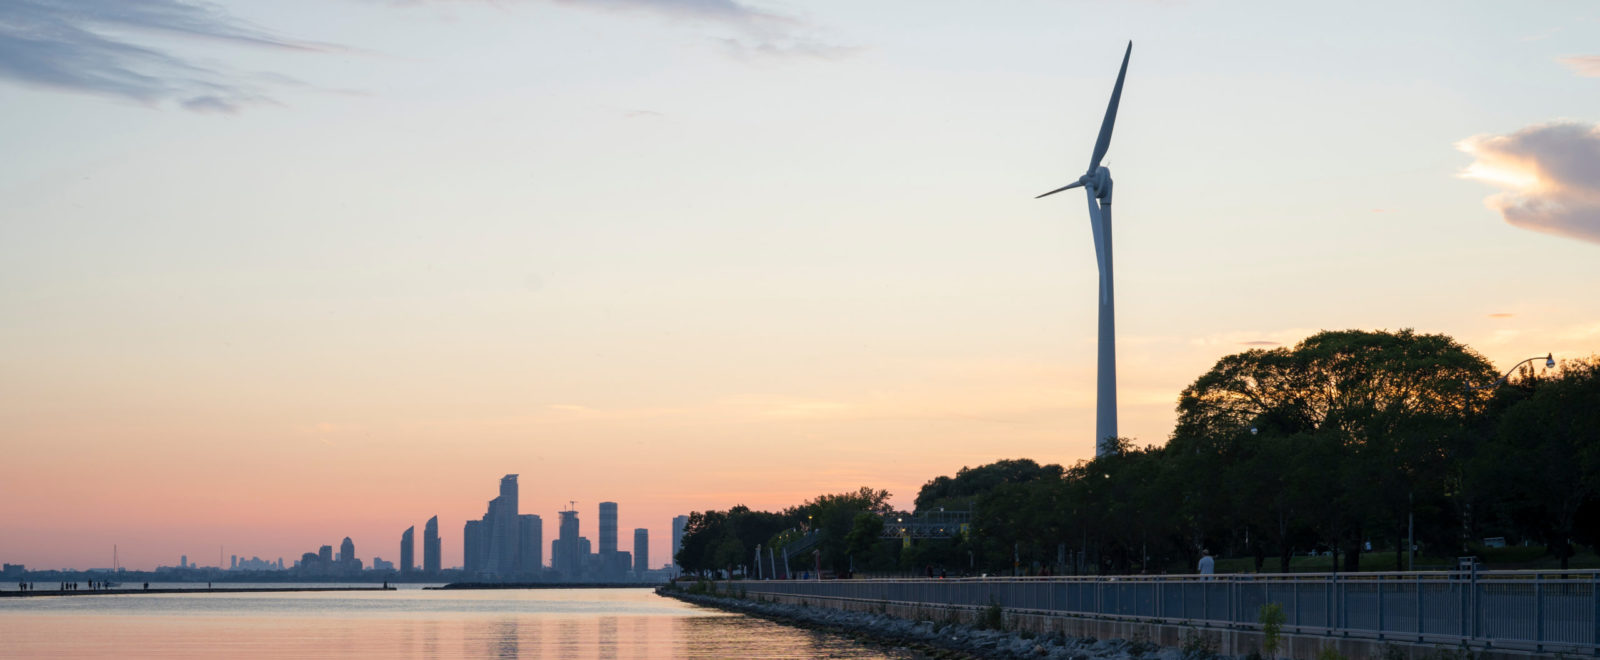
(1543, 460)
(833, 517)
(971, 483)
(1392, 402)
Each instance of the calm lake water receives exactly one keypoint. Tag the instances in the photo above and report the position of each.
(409, 623)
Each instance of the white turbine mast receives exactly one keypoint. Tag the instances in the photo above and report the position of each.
(1097, 184)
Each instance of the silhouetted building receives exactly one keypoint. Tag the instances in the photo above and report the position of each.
(531, 562)
(472, 548)
(566, 553)
(641, 551)
(501, 532)
(349, 563)
(679, 523)
(431, 546)
(325, 555)
(609, 563)
(504, 544)
(608, 527)
(408, 550)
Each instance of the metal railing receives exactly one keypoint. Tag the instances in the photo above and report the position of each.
(1542, 611)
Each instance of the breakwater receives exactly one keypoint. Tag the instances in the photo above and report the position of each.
(946, 635)
(545, 585)
(171, 590)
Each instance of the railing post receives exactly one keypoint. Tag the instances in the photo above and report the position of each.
(1474, 602)
(1344, 605)
(1380, 607)
(1328, 603)
(1294, 588)
(1233, 603)
(1594, 611)
(1538, 612)
(1418, 587)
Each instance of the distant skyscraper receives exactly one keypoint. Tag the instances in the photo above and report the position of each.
(431, 546)
(348, 561)
(608, 528)
(679, 523)
(493, 546)
(641, 551)
(502, 533)
(472, 553)
(532, 545)
(183, 561)
(325, 555)
(408, 550)
(567, 554)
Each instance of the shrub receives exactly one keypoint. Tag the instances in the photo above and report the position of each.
(993, 618)
(1198, 646)
(1271, 618)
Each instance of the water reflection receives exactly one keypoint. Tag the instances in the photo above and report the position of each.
(582, 624)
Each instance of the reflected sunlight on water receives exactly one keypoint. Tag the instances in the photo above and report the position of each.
(576, 623)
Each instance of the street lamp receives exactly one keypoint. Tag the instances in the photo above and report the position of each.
(1411, 540)
(1549, 363)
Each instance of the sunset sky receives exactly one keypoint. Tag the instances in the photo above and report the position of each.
(277, 272)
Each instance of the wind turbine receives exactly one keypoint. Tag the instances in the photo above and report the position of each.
(1097, 183)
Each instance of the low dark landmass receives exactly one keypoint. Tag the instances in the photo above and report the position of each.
(950, 641)
(196, 590)
(547, 585)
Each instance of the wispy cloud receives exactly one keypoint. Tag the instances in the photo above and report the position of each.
(1501, 315)
(1584, 65)
(753, 32)
(1551, 173)
(93, 46)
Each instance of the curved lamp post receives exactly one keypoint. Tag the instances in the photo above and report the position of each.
(1549, 362)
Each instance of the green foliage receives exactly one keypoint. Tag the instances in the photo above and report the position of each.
(992, 618)
(864, 532)
(1330, 653)
(1542, 461)
(969, 483)
(1197, 645)
(1339, 439)
(1271, 618)
(721, 540)
(834, 517)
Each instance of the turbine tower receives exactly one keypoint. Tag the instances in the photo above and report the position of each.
(1097, 184)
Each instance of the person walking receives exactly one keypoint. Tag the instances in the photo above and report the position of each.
(1208, 565)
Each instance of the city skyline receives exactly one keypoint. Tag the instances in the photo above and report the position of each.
(274, 273)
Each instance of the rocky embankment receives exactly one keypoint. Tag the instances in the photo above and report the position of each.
(939, 640)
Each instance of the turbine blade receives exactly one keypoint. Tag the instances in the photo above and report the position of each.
(1104, 143)
(1069, 186)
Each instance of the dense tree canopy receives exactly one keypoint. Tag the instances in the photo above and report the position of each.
(1335, 444)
